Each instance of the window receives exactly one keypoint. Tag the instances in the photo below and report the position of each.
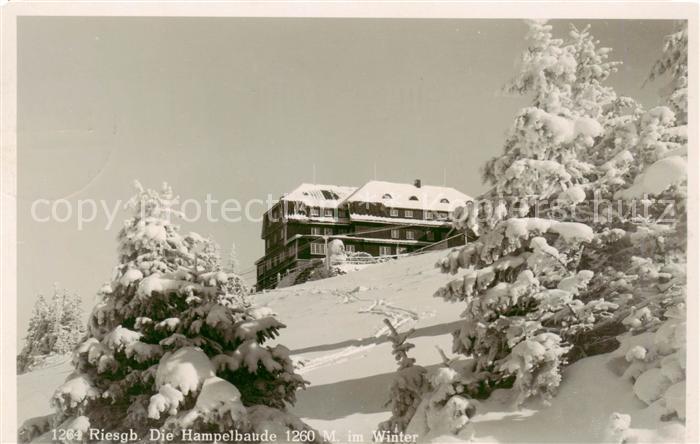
(349, 248)
(442, 215)
(328, 212)
(267, 244)
(330, 195)
(384, 250)
(342, 213)
(428, 215)
(292, 250)
(410, 235)
(443, 200)
(431, 235)
(413, 198)
(328, 231)
(394, 212)
(315, 212)
(386, 196)
(408, 213)
(395, 234)
(318, 248)
(316, 231)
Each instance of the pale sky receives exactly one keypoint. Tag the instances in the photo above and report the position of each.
(243, 108)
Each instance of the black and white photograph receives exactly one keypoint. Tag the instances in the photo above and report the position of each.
(347, 223)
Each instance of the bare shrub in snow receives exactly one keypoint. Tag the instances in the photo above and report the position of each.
(408, 386)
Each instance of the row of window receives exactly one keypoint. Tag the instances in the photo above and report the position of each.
(393, 212)
(327, 231)
(429, 215)
(388, 196)
(411, 234)
(320, 248)
(278, 236)
(318, 231)
(342, 213)
(388, 250)
(328, 212)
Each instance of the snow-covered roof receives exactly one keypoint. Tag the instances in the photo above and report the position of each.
(315, 195)
(403, 195)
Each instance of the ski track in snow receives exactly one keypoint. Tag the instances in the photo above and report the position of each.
(396, 315)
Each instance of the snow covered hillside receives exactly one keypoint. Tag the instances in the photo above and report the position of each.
(338, 339)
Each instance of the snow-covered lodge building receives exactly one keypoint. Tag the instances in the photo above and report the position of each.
(378, 218)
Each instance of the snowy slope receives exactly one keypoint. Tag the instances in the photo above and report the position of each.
(336, 334)
(336, 330)
(36, 387)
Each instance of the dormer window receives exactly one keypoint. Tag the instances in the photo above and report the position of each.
(445, 201)
(413, 198)
(315, 212)
(386, 196)
(394, 212)
(330, 195)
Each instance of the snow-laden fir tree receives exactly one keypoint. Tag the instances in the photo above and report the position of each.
(36, 331)
(523, 276)
(650, 263)
(446, 407)
(71, 326)
(553, 276)
(56, 326)
(167, 349)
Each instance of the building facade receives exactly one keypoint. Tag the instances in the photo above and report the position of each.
(378, 218)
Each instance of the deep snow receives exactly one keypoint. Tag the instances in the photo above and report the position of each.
(337, 336)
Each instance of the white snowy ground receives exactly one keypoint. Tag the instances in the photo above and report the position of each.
(335, 330)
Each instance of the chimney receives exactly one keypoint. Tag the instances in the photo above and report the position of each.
(417, 183)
